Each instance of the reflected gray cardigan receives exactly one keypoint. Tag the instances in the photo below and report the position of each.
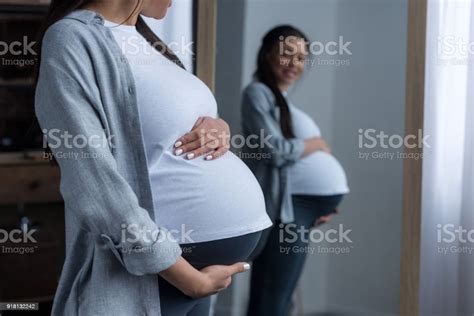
(86, 89)
(260, 112)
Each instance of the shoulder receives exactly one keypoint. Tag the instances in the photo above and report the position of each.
(69, 36)
(258, 88)
(74, 45)
(258, 94)
(66, 31)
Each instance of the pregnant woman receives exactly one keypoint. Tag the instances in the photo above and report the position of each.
(302, 182)
(155, 221)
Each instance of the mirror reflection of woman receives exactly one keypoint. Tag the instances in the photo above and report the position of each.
(302, 181)
(161, 215)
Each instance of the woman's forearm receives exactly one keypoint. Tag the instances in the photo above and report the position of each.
(183, 276)
(208, 281)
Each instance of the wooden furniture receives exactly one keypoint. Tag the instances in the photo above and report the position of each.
(30, 179)
(19, 27)
(30, 270)
(25, 2)
(30, 199)
(29, 193)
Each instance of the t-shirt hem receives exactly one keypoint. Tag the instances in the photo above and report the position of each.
(321, 193)
(229, 234)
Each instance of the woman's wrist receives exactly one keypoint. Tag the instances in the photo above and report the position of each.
(315, 144)
(310, 146)
(185, 277)
(208, 281)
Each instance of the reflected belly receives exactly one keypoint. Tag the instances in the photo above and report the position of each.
(320, 174)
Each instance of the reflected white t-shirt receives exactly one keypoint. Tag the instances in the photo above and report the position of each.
(211, 199)
(318, 173)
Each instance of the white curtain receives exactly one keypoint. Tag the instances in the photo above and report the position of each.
(176, 30)
(447, 261)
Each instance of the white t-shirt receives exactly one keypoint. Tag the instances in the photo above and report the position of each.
(214, 199)
(318, 173)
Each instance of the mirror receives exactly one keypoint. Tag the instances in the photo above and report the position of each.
(353, 88)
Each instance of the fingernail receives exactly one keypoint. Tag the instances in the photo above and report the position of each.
(209, 157)
(178, 152)
(178, 143)
(190, 156)
(246, 266)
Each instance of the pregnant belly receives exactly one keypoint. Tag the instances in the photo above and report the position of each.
(202, 200)
(318, 174)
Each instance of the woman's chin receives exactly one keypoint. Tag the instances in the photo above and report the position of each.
(160, 16)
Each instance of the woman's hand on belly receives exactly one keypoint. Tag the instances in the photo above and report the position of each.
(209, 136)
(201, 283)
(315, 144)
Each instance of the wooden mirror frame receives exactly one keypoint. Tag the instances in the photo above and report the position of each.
(206, 30)
(412, 173)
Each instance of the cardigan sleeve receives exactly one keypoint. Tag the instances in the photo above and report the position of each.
(100, 199)
(257, 118)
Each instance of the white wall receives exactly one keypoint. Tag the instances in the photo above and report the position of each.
(367, 94)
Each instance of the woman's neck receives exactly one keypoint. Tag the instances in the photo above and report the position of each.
(283, 87)
(116, 11)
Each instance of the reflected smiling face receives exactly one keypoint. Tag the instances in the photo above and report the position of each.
(287, 60)
(156, 9)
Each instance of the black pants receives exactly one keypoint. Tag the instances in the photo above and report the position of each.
(222, 252)
(275, 271)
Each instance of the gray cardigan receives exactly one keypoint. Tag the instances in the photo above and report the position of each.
(86, 89)
(260, 112)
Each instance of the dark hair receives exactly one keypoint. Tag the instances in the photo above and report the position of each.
(265, 74)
